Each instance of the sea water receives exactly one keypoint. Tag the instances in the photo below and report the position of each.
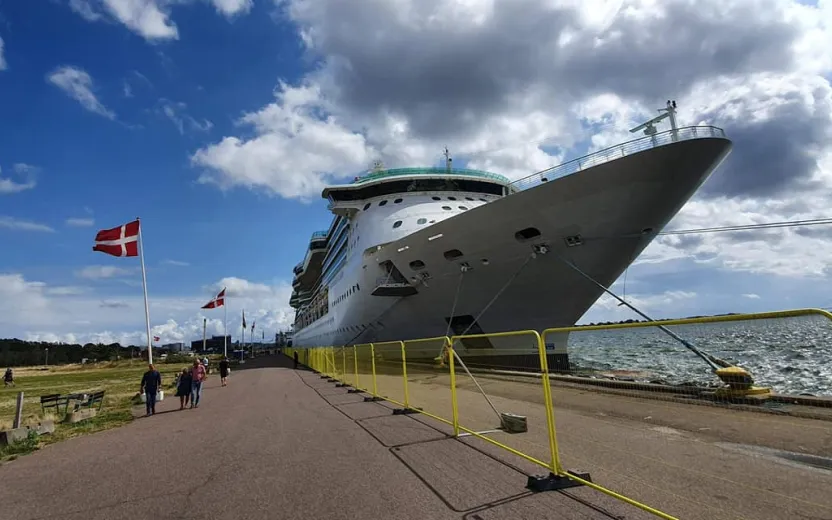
(790, 355)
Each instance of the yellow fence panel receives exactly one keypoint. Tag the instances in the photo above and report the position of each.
(364, 367)
(389, 365)
(514, 420)
(677, 413)
(428, 378)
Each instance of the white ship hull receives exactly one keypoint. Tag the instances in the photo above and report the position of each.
(616, 208)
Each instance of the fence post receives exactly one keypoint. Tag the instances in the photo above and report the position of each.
(356, 386)
(454, 405)
(407, 409)
(18, 412)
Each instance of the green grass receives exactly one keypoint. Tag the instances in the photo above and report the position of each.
(120, 380)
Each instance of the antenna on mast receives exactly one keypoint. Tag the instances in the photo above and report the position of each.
(649, 127)
(448, 160)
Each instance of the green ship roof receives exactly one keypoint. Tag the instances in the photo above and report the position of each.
(396, 172)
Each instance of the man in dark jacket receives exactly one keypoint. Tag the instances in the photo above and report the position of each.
(151, 383)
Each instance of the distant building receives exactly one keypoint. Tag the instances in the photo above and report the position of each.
(213, 344)
(174, 347)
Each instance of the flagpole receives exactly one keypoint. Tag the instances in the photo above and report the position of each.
(144, 287)
(225, 330)
(204, 339)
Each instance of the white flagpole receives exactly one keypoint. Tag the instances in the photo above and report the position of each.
(204, 323)
(144, 287)
(225, 329)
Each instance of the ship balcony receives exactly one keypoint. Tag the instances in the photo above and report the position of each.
(298, 268)
(388, 287)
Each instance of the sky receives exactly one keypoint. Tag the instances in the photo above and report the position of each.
(218, 122)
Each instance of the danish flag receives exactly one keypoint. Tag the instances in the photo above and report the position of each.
(119, 241)
(217, 301)
(156, 338)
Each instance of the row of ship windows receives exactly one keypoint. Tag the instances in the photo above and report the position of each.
(422, 221)
(452, 254)
(398, 201)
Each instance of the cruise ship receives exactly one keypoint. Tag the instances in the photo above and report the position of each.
(425, 252)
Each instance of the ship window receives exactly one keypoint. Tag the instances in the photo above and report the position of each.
(436, 198)
(421, 221)
(527, 234)
(463, 208)
(382, 203)
(397, 224)
(483, 200)
(451, 198)
(417, 265)
(397, 201)
(357, 287)
(446, 208)
(452, 254)
(469, 198)
(367, 206)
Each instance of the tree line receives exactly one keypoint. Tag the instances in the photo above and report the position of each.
(16, 352)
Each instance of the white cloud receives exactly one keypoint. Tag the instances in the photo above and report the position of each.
(77, 84)
(295, 152)
(80, 221)
(3, 64)
(98, 272)
(36, 311)
(26, 174)
(16, 224)
(183, 122)
(231, 8)
(150, 19)
(177, 263)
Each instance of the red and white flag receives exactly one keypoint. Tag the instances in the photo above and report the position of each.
(156, 338)
(119, 241)
(217, 301)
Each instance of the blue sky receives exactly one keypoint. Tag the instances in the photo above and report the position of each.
(218, 121)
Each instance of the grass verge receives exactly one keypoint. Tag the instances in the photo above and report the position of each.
(120, 380)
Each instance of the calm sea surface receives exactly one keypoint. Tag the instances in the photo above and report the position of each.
(791, 355)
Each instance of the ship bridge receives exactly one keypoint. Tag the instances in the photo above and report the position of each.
(348, 199)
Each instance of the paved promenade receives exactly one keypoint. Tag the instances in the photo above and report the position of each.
(278, 443)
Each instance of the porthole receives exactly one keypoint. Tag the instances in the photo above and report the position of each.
(452, 254)
(469, 198)
(397, 224)
(436, 198)
(527, 234)
(397, 201)
(483, 200)
(367, 206)
(451, 198)
(417, 265)
(446, 208)
(382, 203)
(421, 221)
(463, 208)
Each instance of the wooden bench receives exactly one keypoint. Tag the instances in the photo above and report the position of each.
(55, 401)
(93, 399)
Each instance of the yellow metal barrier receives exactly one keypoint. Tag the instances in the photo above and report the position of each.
(428, 383)
(391, 373)
(492, 418)
(641, 438)
(633, 395)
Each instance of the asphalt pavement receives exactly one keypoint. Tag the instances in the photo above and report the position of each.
(279, 443)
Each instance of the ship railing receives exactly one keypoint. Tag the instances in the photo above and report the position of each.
(616, 152)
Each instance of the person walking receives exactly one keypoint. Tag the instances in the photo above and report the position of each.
(151, 383)
(224, 371)
(295, 359)
(198, 376)
(183, 388)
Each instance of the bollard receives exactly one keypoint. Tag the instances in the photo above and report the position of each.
(18, 414)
